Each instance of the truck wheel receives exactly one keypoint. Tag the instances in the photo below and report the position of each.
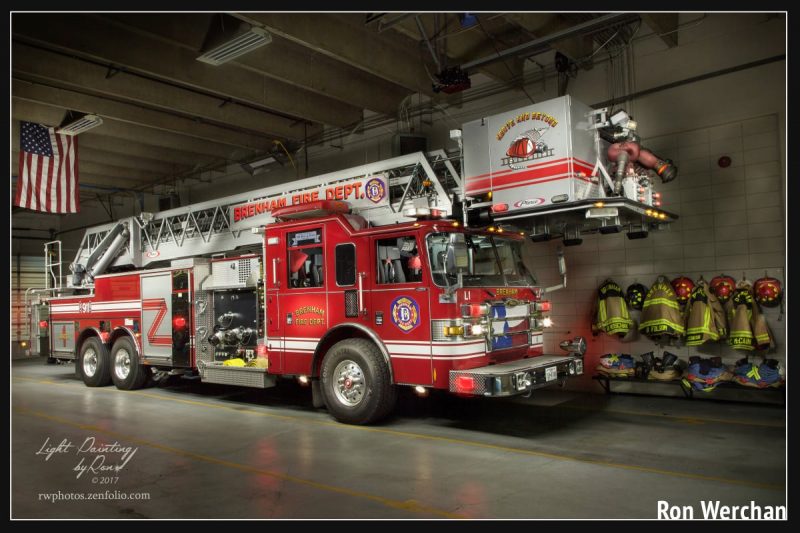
(126, 372)
(355, 382)
(93, 363)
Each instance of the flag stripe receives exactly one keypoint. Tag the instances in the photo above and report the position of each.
(60, 180)
(28, 184)
(55, 175)
(73, 166)
(36, 180)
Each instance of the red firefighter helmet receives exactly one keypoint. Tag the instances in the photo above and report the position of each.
(722, 287)
(767, 291)
(683, 288)
(297, 259)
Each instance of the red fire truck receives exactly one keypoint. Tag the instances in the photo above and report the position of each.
(355, 282)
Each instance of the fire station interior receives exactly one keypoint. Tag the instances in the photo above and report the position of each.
(397, 265)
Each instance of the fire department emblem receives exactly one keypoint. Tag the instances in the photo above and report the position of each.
(405, 313)
(375, 190)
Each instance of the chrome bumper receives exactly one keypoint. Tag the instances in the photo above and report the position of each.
(515, 377)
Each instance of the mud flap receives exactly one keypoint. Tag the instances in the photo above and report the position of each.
(316, 394)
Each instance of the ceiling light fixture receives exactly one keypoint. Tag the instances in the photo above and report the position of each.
(256, 166)
(229, 38)
(79, 125)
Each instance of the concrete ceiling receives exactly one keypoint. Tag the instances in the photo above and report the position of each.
(167, 115)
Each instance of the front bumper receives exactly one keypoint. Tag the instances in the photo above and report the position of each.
(515, 377)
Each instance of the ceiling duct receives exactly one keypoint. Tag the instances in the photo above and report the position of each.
(229, 38)
(79, 125)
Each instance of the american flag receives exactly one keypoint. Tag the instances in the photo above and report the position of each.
(48, 170)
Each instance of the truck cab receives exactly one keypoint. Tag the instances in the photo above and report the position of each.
(429, 304)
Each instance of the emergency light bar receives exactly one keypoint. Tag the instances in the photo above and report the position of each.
(319, 208)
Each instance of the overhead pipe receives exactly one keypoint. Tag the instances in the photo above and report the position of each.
(543, 42)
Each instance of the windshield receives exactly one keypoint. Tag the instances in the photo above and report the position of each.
(494, 261)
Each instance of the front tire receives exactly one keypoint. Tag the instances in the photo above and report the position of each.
(93, 363)
(126, 372)
(356, 384)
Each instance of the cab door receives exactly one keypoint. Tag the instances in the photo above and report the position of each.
(400, 306)
(273, 278)
(303, 297)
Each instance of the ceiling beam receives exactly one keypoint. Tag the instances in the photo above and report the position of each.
(134, 114)
(348, 41)
(103, 41)
(90, 141)
(545, 42)
(74, 73)
(281, 60)
(665, 25)
(544, 24)
(121, 174)
(48, 115)
(139, 150)
(463, 45)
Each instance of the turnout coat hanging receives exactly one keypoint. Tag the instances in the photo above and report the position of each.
(661, 314)
(705, 320)
(612, 312)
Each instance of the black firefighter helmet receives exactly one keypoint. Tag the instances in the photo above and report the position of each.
(635, 295)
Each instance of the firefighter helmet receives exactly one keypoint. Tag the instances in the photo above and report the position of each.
(635, 295)
(297, 259)
(743, 296)
(767, 291)
(722, 287)
(683, 288)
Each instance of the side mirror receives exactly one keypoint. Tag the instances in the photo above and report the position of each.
(562, 264)
(562, 270)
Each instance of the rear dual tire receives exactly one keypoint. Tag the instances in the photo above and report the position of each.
(126, 372)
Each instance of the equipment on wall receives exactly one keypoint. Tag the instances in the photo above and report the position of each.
(612, 311)
(661, 314)
(722, 286)
(705, 320)
(748, 327)
(683, 287)
(767, 291)
(635, 295)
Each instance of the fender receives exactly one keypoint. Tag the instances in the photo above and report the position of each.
(372, 336)
(85, 334)
(117, 334)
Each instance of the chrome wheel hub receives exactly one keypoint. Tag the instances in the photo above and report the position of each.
(122, 363)
(90, 362)
(350, 384)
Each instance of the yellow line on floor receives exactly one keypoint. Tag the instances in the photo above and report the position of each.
(407, 505)
(677, 418)
(421, 436)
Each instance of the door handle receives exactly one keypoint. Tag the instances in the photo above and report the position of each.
(361, 308)
(421, 289)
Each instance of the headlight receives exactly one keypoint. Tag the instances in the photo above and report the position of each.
(476, 330)
(547, 322)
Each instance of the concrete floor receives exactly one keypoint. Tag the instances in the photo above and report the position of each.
(202, 450)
